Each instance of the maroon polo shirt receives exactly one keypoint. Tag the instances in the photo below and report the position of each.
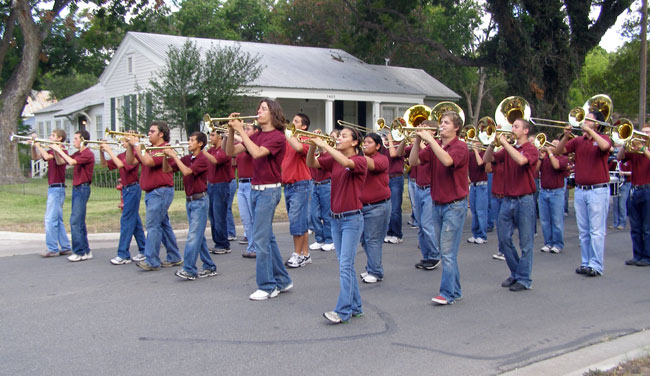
(448, 183)
(476, 173)
(83, 170)
(222, 171)
(497, 179)
(244, 165)
(551, 178)
(268, 169)
(197, 181)
(590, 161)
(376, 186)
(320, 174)
(640, 168)
(128, 173)
(55, 172)
(519, 180)
(346, 184)
(395, 166)
(153, 177)
(294, 165)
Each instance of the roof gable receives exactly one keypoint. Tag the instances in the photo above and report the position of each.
(90, 97)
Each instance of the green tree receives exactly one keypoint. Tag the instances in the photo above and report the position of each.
(63, 86)
(622, 80)
(592, 80)
(192, 83)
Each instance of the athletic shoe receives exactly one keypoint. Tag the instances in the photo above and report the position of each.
(75, 258)
(310, 231)
(508, 282)
(47, 254)
(181, 273)
(499, 256)
(87, 256)
(555, 250)
(287, 287)
(333, 317)
(139, 257)
(144, 266)
(480, 241)
(293, 259)
(430, 264)
(65, 252)
(581, 270)
(315, 246)
(419, 265)
(296, 262)
(304, 260)
(630, 262)
(363, 275)
(441, 300)
(620, 228)
(369, 278)
(387, 239)
(395, 240)
(263, 295)
(120, 261)
(591, 272)
(207, 273)
(357, 314)
(248, 255)
(489, 229)
(612, 227)
(232, 238)
(220, 251)
(168, 264)
(546, 248)
(642, 263)
(471, 240)
(243, 240)
(327, 247)
(518, 287)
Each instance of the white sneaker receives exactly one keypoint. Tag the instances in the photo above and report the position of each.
(387, 239)
(310, 231)
(120, 261)
(287, 287)
(480, 241)
(369, 278)
(395, 240)
(263, 295)
(546, 248)
(471, 240)
(139, 257)
(87, 256)
(327, 247)
(499, 256)
(292, 259)
(315, 246)
(555, 249)
(304, 260)
(75, 258)
(363, 275)
(296, 263)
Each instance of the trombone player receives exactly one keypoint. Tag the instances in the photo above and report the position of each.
(552, 170)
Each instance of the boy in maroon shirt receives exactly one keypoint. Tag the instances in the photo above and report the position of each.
(552, 170)
(219, 177)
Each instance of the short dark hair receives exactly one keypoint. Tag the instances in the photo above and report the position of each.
(455, 119)
(377, 140)
(200, 137)
(305, 119)
(162, 127)
(83, 133)
(60, 133)
(277, 116)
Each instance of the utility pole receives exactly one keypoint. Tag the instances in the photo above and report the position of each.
(644, 62)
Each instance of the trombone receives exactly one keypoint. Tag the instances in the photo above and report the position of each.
(578, 115)
(541, 141)
(356, 127)
(145, 149)
(25, 140)
(214, 124)
(97, 144)
(305, 136)
(114, 134)
(208, 119)
(469, 135)
(508, 111)
(625, 133)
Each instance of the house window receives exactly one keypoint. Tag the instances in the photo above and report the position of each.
(129, 64)
(390, 112)
(48, 128)
(68, 128)
(119, 106)
(350, 112)
(57, 124)
(40, 130)
(99, 127)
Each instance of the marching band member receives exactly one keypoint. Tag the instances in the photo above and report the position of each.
(518, 206)
(130, 222)
(194, 168)
(267, 149)
(244, 174)
(623, 170)
(232, 190)
(478, 195)
(320, 205)
(638, 207)
(219, 177)
(83, 162)
(552, 170)
(55, 235)
(591, 198)
(396, 182)
(375, 197)
(449, 190)
(296, 179)
(159, 188)
(496, 170)
(348, 167)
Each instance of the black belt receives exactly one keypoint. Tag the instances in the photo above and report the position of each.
(423, 186)
(588, 187)
(518, 197)
(395, 175)
(57, 185)
(134, 183)
(82, 185)
(345, 214)
(450, 202)
(635, 187)
(195, 197)
(326, 181)
(377, 202)
(245, 180)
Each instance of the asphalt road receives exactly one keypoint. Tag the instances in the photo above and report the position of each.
(62, 318)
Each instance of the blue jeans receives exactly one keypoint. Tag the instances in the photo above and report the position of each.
(230, 220)
(396, 186)
(412, 186)
(620, 205)
(55, 234)
(518, 213)
(159, 229)
(375, 223)
(320, 213)
(245, 213)
(296, 199)
(551, 217)
(591, 208)
(78, 231)
(566, 196)
(492, 213)
(270, 271)
(639, 211)
(478, 202)
(218, 211)
(423, 209)
(130, 222)
(197, 216)
(448, 221)
(346, 233)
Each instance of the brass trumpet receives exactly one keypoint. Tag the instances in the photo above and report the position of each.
(305, 137)
(541, 141)
(178, 148)
(208, 119)
(115, 134)
(97, 144)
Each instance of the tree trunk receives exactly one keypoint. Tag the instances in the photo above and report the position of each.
(480, 91)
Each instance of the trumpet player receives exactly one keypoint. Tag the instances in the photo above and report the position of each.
(159, 188)
(130, 222)
(83, 162)
(552, 170)
(219, 176)
(591, 198)
(55, 235)
(638, 207)
(396, 183)
(478, 194)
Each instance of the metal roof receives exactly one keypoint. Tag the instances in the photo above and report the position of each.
(77, 102)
